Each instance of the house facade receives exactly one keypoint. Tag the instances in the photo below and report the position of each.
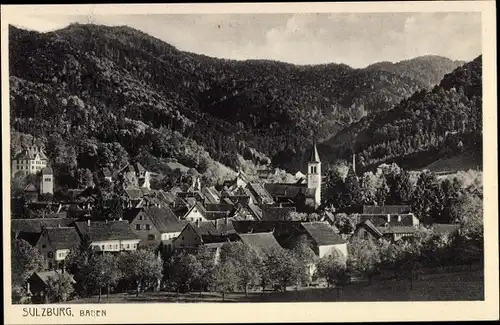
(55, 244)
(29, 161)
(108, 236)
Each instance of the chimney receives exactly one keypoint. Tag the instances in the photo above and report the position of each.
(388, 218)
(58, 225)
(281, 205)
(88, 222)
(399, 218)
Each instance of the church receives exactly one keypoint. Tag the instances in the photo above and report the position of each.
(305, 194)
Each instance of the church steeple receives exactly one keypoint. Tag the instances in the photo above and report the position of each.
(314, 174)
(314, 154)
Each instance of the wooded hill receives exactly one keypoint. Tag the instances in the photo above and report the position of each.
(98, 95)
(430, 125)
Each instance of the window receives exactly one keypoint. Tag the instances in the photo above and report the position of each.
(102, 247)
(140, 218)
(148, 227)
(151, 237)
(43, 246)
(128, 246)
(50, 254)
(135, 245)
(137, 227)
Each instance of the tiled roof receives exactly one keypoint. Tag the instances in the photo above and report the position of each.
(271, 213)
(101, 230)
(47, 171)
(322, 233)
(209, 228)
(219, 207)
(106, 172)
(210, 195)
(30, 188)
(30, 237)
(263, 243)
(54, 274)
(381, 219)
(164, 219)
(261, 193)
(369, 226)
(30, 153)
(386, 209)
(285, 190)
(255, 210)
(397, 229)
(35, 225)
(444, 228)
(62, 237)
(134, 193)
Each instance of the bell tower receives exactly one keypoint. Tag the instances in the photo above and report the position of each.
(314, 174)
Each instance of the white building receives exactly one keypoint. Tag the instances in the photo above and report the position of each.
(29, 161)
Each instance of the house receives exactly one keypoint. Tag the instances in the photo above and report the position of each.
(18, 226)
(136, 175)
(106, 174)
(395, 233)
(367, 230)
(132, 196)
(445, 228)
(210, 195)
(39, 284)
(263, 243)
(30, 193)
(386, 209)
(205, 233)
(154, 225)
(47, 181)
(260, 194)
(276, 213)
(382, 220)
(308, 194)
(324, 239)
(108, 236)
(283, 231)
(55, 243)
(29, 161)
(196, 213)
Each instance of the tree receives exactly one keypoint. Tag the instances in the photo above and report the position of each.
(244, 260)
(104, 271)
(368, 188)
(185, 270)
(25, 261)
(304, 256)
(225, 278)
(139, 266)
(382, 192)
(205, 256)
(344, 223)
(427, 200)
(59, 288)
(467, 211)
(280, 268)
(364, 257)
(77, 262)
(84, 177)
(400, 187)
(333, 269)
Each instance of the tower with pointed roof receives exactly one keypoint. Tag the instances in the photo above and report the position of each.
(314, 174)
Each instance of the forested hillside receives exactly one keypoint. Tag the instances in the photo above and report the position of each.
(99, 96)
(431, 124)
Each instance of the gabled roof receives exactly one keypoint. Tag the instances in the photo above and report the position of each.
(210, 195)
(321, 233)
(213, 228)
(30, 188)
(386, 209)
(30, 237)
(219, 207)
(47, 171)
(62, 237)
(106, 172)
(134, 192)
(381, 219)
(369, 226)
(102, 231)
(54, 274)
(139, 168)
(261, 193)
(30, 153)
(397, 229)
(272, 213)
(285, 190)
(36, 225)
(314, 157)
(164, 219)
(263, 243)
(445, 228)
(255, 210)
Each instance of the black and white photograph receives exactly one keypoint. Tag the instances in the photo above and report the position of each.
(225, 158)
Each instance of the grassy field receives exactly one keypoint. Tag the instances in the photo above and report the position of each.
(465, 285)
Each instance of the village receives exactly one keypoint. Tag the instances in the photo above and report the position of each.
(264, 217)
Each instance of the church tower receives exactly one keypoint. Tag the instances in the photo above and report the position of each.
(314, 175)
(47, 181)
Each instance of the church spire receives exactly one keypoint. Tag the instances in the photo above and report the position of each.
(314, 154)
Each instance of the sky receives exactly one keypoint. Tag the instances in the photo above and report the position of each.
(356, 39)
